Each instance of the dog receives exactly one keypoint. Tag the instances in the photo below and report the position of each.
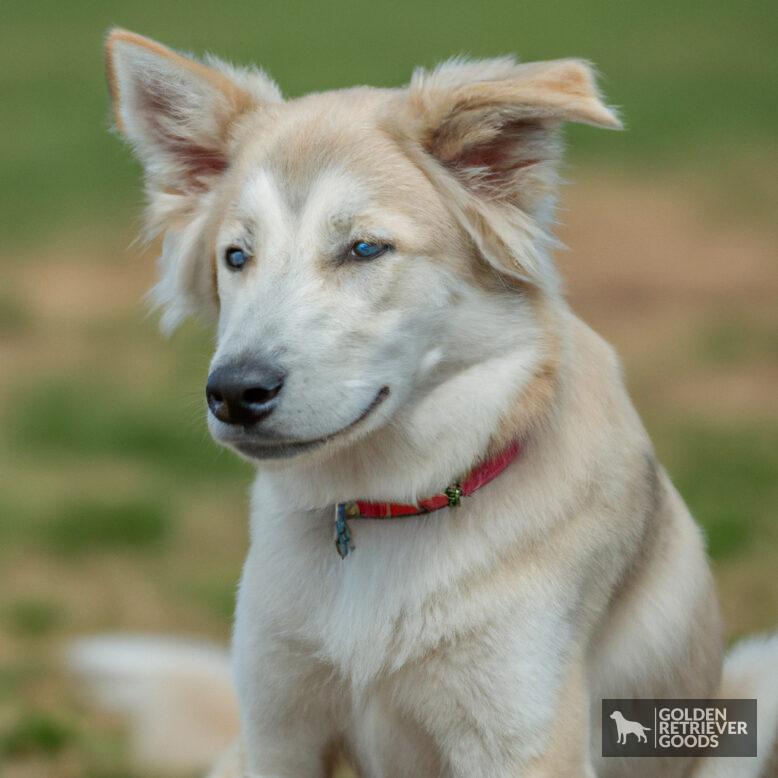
(626, 727)
(461, 539)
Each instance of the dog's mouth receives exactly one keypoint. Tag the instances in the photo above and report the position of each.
(254, 446)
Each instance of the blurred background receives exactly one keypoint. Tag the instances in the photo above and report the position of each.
(116, 510)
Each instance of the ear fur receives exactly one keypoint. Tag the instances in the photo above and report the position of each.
(177, 112)
(179, 115)
(487, 134)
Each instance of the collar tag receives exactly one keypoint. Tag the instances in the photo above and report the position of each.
(343, 542)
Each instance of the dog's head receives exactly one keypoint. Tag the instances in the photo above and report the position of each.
(358, 247)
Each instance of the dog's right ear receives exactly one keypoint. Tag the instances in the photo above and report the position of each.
(177, 112)
(181, 116)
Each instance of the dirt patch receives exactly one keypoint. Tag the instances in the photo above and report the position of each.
(648, 268)
(655, 245)
(81, 283)
(737, 393)
(656, 242)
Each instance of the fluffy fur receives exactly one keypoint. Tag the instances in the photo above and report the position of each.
(475, 642)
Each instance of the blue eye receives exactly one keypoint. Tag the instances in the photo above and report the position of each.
(363, 249)
(235, 258)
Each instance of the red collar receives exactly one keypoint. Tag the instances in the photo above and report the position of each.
(450, 497)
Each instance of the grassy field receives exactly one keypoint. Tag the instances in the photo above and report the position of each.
(116, 510)
(698, 85)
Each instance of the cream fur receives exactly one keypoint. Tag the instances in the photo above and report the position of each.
(475, 642)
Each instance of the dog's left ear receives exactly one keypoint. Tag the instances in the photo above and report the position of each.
(488, 135)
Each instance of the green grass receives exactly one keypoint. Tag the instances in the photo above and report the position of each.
(35, 732)
(98, 418)
(733, 340)
(34, 617)
(14, 676)
(136, 524)
(15, 317)
(215, 594)
(14, 516)
(727, 476)
(689, 77)
(110, 773)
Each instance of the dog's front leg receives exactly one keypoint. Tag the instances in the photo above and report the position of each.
(292, 705)
(567, 751)
(289, 712)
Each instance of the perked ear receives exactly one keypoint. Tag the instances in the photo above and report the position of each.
(489, 135)
(488, 120)
(180, 115)
(177, 112)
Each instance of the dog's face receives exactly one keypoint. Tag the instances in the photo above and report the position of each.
(340, 296)
(357, 247)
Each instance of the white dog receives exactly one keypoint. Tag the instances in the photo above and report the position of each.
(626, 727)
(393, 342)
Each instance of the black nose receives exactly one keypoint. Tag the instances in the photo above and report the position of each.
(243, 393)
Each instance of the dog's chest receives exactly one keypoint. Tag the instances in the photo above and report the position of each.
(375, 608)
(409, 588)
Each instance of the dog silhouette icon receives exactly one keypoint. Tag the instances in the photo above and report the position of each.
(626, 727)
